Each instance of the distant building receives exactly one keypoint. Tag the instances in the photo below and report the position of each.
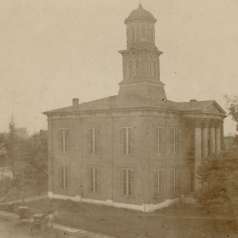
(21, 133)
(136, 149)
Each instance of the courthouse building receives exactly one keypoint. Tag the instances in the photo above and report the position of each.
(136, 149)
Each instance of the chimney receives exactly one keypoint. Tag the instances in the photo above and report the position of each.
(75, 102)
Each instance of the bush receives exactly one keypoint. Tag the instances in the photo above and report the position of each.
(219, 184)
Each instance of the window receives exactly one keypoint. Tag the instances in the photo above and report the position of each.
(92, 140)
(159, 145)
(126, 139)
(127, 182)
(150, 68)
(64, 177)
(177, 139)
(173, 177)
(174, 139)
(154, 69)
(133, 34)
(143, 33)
(130, 69)
(137, 67)
(63, 140)
(93, 178)
(158, 182)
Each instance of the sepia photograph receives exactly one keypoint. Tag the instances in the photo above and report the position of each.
(119, 119)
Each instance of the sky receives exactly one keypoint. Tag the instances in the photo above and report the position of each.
(54, 50)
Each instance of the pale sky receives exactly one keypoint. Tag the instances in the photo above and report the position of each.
(54, 50)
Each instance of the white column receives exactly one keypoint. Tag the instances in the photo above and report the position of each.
(212, 140)
(222, 136)
(198, 154)
(205, 142)
(218, 139)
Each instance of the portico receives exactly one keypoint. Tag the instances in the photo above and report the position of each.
(207, 134)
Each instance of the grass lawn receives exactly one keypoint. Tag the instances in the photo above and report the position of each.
(173, 222)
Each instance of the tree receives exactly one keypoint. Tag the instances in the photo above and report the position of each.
(232, 104)
(32, 163)
(27, 157)
(36, 169)
(219, 184)
(3, 149)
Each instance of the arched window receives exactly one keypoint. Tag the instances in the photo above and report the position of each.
(133, 34)
(128, 33)
(130, 70)
(155, 69)
(143, 35)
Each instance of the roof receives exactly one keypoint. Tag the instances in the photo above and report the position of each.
(99, 104)
(206, 106)
(112, 102)
(140, 14)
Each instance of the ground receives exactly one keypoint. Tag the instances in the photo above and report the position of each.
(10, 228)
(173, 222)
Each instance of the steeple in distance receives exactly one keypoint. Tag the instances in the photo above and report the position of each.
(12, 123)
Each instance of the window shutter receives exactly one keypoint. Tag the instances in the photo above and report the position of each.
(162, 139)
(156, 184)
(62, 177)
(89, 140)
(163, 186)
(59, 177)
(177, 180)
(172, 135)
(131, 140)
(67, 140)
(156, 140)
(96, 174)
(177, 140)
(172, 180)
(60, 140)
(67, 176)
(124, 181)
(168, 147)
(123, 140)
(170, 139)
(162, 180)
(98, 140)
(90, 179)
(130, 182)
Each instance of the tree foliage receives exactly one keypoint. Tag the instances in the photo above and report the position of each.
(27, 158)
(232, 104)
(219, 184)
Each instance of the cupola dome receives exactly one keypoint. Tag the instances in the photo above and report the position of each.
(140, 14)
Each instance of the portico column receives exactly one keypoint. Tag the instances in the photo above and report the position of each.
(198, 153)
(205, 134)
(222, 136)
(212, 139)
(218, 138)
